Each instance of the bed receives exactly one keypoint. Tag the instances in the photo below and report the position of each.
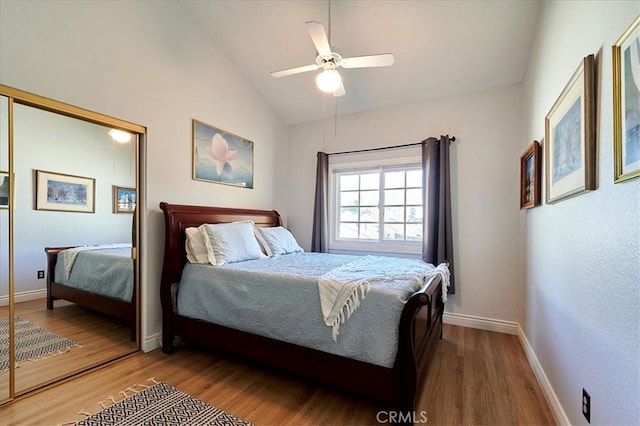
(396, 385)
(100, 278)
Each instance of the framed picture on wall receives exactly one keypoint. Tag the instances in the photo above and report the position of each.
(530, 171)
(626, 104)
(124, 199)
(221, 157)
(4, 190)
(62, 192)
(570, 135)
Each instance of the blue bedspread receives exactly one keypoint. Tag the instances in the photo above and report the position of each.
(278, 298)
(108, 272)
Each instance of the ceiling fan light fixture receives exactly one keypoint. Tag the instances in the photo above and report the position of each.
(119, 136)
(328, 80)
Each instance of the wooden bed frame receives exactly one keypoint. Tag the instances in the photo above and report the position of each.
(419, 329)
(104, 304)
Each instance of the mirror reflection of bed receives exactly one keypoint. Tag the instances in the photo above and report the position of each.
(92, 328)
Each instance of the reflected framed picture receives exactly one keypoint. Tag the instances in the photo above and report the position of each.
(221, 157)
(4, 190)
(570, 137)
(626, 104)
(66, 193)
(124, 199)
(530, 172)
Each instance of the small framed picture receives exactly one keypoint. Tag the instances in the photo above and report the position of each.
(570, 137)
(626, 104)
(124, 199)
(66, 193)
(4, 190)
(530, 171)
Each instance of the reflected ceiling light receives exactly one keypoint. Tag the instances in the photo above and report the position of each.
(120, 135)
(328, 80)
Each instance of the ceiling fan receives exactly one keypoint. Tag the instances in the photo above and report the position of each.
(329, 80)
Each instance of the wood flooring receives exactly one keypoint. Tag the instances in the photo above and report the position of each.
(100, 338)
(476, 378)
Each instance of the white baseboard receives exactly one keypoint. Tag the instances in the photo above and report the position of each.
(500, 326)
(547, 389)
(24, 296)
(151, 342)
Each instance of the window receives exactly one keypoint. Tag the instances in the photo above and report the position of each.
(377, 208)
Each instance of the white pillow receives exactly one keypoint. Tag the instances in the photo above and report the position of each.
(195, 246)
(277, 240)
(233, 242)
(211, 257)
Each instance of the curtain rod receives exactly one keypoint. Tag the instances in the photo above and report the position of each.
(451, 139)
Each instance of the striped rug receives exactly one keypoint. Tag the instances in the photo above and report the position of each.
(33, 343)
(158, 404)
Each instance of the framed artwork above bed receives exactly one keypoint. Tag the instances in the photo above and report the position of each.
(221, 157)
(66, 193)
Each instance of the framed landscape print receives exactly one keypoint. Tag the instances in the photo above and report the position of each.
(570, 135)
(124, 199)
(530, 171)
(62, 192)
(4, 190)
(626, 104)
(221, 157)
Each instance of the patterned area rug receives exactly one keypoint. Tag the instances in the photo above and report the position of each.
(158, 404)
(33, 343)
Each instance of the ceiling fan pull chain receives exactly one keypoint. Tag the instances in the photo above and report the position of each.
(335, 123)
(324, 119)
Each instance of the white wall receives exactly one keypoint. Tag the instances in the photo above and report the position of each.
(148, 63)
(488, 238)
(583, 253)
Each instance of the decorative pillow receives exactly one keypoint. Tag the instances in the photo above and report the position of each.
(233, 242)
(277, 240)
(195, 246)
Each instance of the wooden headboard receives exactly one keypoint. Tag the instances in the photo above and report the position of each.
(177, 218)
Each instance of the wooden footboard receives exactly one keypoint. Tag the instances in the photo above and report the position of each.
(396, 387)
(419, 328)
(110, 306)
(419, 331)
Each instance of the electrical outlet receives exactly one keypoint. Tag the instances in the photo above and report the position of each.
(586, 405)
(40, 275)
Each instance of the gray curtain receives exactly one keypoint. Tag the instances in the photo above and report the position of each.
(320, 235)
(437, 246)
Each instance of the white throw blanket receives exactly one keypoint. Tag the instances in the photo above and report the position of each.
(71, 254)
(343, 288)
(445, 276)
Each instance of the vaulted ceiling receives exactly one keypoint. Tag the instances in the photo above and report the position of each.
(441, 48)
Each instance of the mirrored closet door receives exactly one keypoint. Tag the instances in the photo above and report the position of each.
(5, 313)
(72, 292)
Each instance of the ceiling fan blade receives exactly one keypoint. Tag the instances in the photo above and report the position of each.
(319, 38)
(296, 70)
(383, 60)
(339, 91)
